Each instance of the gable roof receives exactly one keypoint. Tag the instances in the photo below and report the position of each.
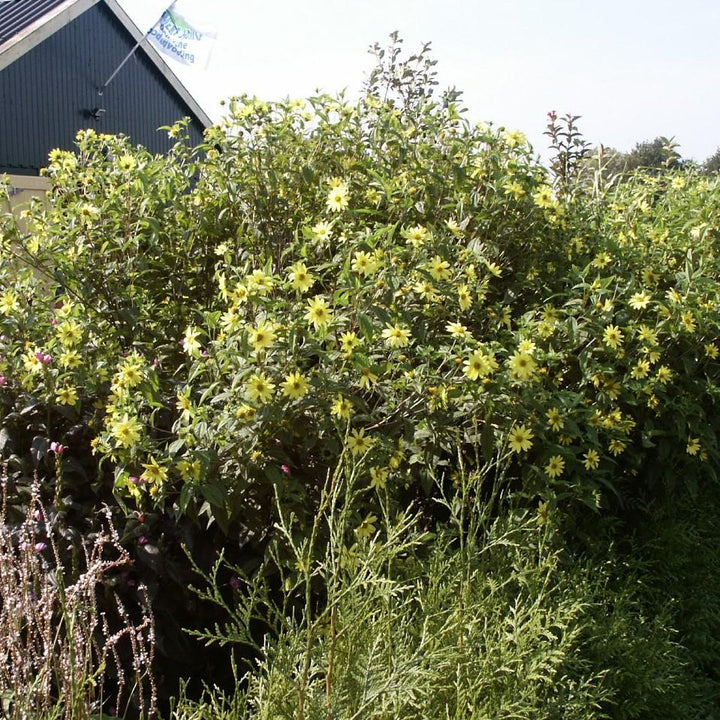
(24, 24)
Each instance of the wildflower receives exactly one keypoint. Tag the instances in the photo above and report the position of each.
(322, 231)
(154, 473)
(378, 477)
(712, 351)
(522, 366)
(125, 430)
(426, 290)
(647, 335)
(439, 268)
(300, 278)
(260, 282)
(464, 297)
(190, 471)
(67, 396)
(612, 336)
(457, 330)
(184, 405)
(617, 447)
(514, 188)
(342, 408)
(493, 268)
(126, 163)
(396, 336)
(367, 378)
(688, 320)
(527, 346)
(591, 460)
(555, 419)
(641, 370)
(348, 342)
(318, 313)
(544, 197)
(693, 446)
(514, 138)
(359, 443)
(453, 227)
(70, 359)
(241, 294)
(367, 527)
(520, 439)
(415, 236)
(479, 365)
(546, 329)
(262, 337)
(639, 301)
(130, 375)
(664, 374)
(673, 296)
(295, 386)
(69, 334)
(245, 412)
(190, 343)
(259, 388)
(555, 466)
(364, 263)
(337, 199)
(88, 213)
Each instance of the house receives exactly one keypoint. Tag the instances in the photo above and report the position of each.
(55, 56)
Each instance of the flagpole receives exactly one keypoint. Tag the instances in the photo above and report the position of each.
(101, 89)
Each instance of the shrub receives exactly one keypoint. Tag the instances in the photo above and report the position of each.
(216, 328)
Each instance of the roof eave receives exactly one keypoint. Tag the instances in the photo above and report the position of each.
(42, 29)
(65, 13)
(157, 59)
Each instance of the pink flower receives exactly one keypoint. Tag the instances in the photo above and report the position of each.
(3, 381)
(57, 448)
(39, 547)
(286, 469)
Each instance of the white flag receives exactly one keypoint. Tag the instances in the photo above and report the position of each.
(175, 36)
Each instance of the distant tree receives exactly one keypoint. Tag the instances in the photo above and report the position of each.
(607, 165)
(659, 154)
(712, 164)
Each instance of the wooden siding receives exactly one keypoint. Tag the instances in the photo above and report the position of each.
(49, 93)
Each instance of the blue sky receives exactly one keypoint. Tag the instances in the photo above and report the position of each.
(633, 69)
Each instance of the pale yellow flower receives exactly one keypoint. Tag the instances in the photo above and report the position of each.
(520, 439)
(555, 466)
(396, 336)
(300, 277)
(259, 388)
(591, 460)
(319, 313)
(359, 443)
(295, 386)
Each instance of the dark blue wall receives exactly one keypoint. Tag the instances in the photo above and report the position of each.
(48, 94)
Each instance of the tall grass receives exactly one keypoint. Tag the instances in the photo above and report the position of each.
(58, 648)
(486, 616)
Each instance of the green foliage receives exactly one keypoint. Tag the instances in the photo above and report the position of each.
(382, 287)
(487, 617)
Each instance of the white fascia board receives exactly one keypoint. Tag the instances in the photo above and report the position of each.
(42, 29)
(157, 59)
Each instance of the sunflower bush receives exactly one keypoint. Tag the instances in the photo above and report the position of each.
(196, 339)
